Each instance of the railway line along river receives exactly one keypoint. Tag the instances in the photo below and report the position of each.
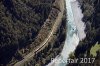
(75, 32)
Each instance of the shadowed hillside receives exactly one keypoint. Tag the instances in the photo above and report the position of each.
(20, 22)
(89, 47)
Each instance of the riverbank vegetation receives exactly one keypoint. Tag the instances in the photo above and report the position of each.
(53, 49)
(86, 48)
(20, 23)
(24, 25)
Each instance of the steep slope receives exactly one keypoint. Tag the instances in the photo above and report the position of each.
(20, 22)
(91, 12)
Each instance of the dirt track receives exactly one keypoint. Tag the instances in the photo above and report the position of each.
(54, 29)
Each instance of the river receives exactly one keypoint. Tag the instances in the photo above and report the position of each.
(75, 32)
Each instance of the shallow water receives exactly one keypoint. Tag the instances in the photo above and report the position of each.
(75, 32)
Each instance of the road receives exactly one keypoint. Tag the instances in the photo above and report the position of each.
(75, 26)
(55, 27)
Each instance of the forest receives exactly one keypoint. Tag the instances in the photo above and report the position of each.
(90, 46)
(20, 23)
